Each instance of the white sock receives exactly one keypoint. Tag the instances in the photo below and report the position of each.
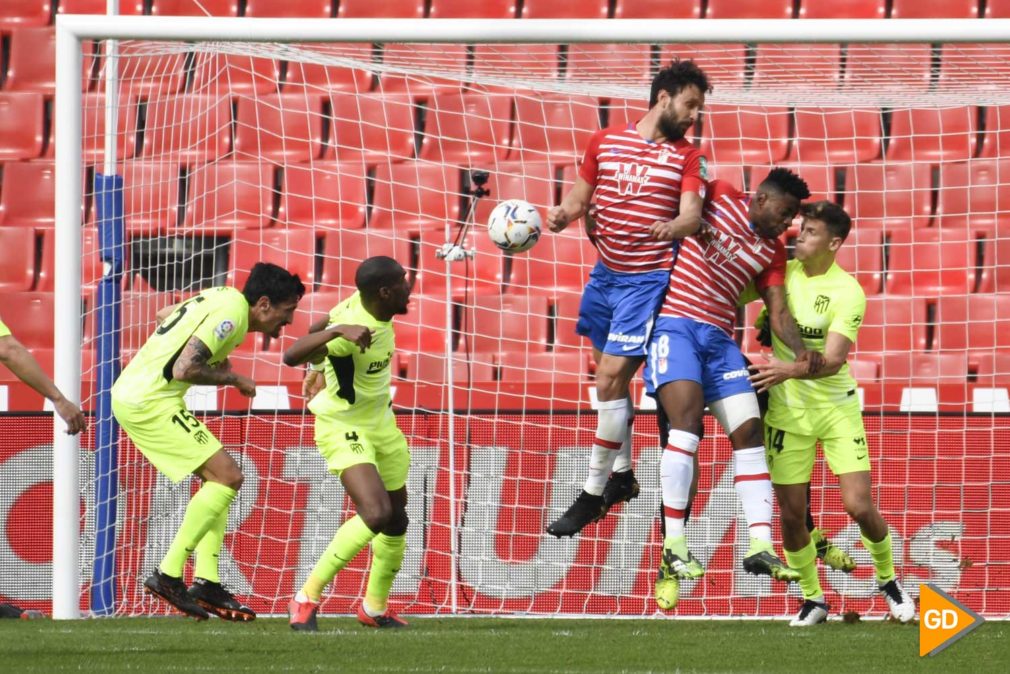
(623, 461)
(369, 611)
(676, 470)
(302, 598)
(754, 489)
(611, 431)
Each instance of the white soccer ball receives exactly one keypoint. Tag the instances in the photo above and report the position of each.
(514, 225)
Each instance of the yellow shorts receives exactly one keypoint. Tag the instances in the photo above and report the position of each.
(344, 444)
(172, 439)
(841, 434)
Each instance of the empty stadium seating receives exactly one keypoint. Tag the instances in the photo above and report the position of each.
(317, 77)
(930, 262)
(658, 9)
(32, 62)
(27, 194)
(565, 9)
(532, 61)
(998, 261)
(907, 67)
(429, 368)
(293, 249)
(973, 323)
(934, 9)
(627, 63)
(324, 195)
(469, 129)
(188, 128)
(544, 368)
(423, 328)
(892, 324)
(996, 138)
(279, 127)
(21, 126)
(415, 194)
(441, 58)
(566, 315)
(725, 64)
(843, 9)
(960, 64)
(17, 259)
(17, 13)
(506, 324)
(749, 9)
(344, 249)
(30, 315)
(974, 193)
(126, 7)
(997, 9)
(310, 9)
(234, 74)
(229, 195)
(891, 195)
(925, 369)
(91, 263)
(814, 65)
(150, 196)
(624, 111)
(553, 129)
(194, 7)
(93, 130)
(745, 134)
(387, 9)
(482, 274)
(842, 136)
(148, 72)
(933, 135)
(372, 128)
(467, 9)
(992, 369)
(862, 255)
(820, 178)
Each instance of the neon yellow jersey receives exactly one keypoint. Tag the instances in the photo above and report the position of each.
(357, 384)
(831, 302)
(219, 317)
(4, 330)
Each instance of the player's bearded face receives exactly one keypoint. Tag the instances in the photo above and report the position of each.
(276, 316)
(775, 214)
(680, 112)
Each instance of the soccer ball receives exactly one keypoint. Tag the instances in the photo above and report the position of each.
(514, 225)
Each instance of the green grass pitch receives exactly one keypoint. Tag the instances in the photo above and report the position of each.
(509, 646)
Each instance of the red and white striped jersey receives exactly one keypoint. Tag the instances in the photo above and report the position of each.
(715, 265)
(638, 182)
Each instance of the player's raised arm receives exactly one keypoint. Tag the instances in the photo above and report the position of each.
(193, 366)
(573, 206)
(312, 347)
(20, 361)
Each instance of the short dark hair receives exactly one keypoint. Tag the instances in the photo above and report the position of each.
(673, 78)
(275, 283)
(376, 273)
(785, 181)
(834, 217)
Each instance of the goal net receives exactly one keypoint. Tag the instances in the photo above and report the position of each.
(315, 156)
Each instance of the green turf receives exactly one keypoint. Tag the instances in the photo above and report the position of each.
(490, 645)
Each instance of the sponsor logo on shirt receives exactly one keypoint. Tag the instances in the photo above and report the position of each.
(810, 333)
(735, 374)
(379, 365)
(622, 338)
(631, 178)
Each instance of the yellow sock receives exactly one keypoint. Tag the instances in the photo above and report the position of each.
(804, 560)
(203, 510)
(883, 557)
(387, 555)
(208, 550)
(351, 537)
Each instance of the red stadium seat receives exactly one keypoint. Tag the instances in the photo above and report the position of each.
(17, 259)
(483, 274)
(293, 249)
(962, 63)
(836, 135)
(566, 315)
(745, 134)
(973, 323)
(565, 9)
(150, 197)
(443, 58)
(28, 194)
(298, 9)
(372, 128)
(188, 128)
(387, 9)
(21, 126)
(996, 137)
(423, 328)
(194, 7)
(324, 195)
(279, 127)
(138, 312)
(997, 9)
(150, 74)
(126, 7)
(470, 129)
(930, 262)
(732, 173)
(425, 368)
(625, 111)
(532, 182)
(864, 371)
(235, 74)
(906, 67)
(558, 264)
(843, 9)
(820, 178)
(862, 255)
(725, 65)
(924, 369)
(345, 249)
(815, 65)
(935, 135)
(748, 9)
(414, 194)
(466, 9)
(553, 129)
(317, 77)
(30, 318)
(544, 368)
(91, 263)
(18, 13)
(974, 193)
(32, 62)
(993, 369)
(657, 9)
(506, 324)
(627, 63)
(892, 324)
(889, 195)
(934, 9)
(998, 261)
(530, 61)
(229, 195)
(94, 129)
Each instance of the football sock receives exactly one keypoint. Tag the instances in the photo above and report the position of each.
(883, 558)
(351, 537)
(203, 511)
(804, 560)
(387, 555)
(676, 469)
(611, 432)
(623, 461)
(754, 488)
(208, 549)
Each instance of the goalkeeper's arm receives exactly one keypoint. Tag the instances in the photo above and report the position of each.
(19, 361)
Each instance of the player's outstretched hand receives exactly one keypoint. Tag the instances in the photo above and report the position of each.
(313, 383)
(773, 371)
(245, 386)
(662, 230)
(813, 359)
(72, 415)
(557, 219)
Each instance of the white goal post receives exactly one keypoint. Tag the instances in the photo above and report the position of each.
(73, 31)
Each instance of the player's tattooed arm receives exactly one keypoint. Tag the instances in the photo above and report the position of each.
(193, 366)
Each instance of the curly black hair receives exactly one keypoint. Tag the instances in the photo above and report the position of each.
(785, 181)
(679, 74)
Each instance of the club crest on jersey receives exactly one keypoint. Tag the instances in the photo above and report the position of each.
(631, 178)
(703, 168)
(821, 303)
(224, 329)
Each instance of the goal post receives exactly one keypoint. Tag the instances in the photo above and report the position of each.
(315, 143)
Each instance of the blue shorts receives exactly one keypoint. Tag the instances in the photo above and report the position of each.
(618, 310)
(683, 348)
